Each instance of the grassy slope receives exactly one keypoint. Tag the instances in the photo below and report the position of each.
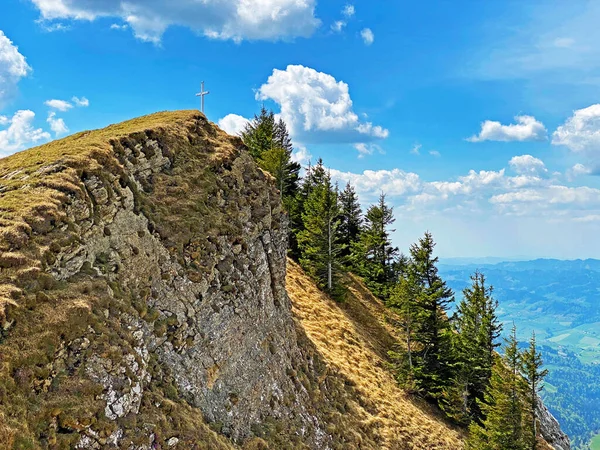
(353, 339)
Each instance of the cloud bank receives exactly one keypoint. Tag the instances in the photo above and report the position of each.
(218, 19)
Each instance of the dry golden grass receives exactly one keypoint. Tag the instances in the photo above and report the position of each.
(353, 339)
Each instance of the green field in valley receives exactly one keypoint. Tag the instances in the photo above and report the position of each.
(595, 443)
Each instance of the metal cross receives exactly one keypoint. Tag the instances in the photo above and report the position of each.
(201, 94)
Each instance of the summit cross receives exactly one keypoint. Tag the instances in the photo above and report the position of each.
(201, 94)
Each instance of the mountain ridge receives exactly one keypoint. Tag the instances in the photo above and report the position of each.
(143, 305)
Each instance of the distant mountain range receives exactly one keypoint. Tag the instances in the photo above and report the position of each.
(494, 260)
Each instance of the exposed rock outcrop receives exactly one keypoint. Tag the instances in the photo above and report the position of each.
(172, 244)
(550, 429)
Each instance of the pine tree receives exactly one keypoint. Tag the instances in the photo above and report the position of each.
(373, 255)
(432, 332)
(534, 376)
(350, 219)
(476, 329)
(502, 407)
(319, 240)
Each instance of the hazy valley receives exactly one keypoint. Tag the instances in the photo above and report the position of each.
(560, 301)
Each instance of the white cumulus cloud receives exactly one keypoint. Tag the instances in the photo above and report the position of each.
(13, 67)
(370, 183)
(527, 128)
(20, 133)
(367, 36)
(60, 105)
(81, 102)
(527, 165)
(578, 170)
(367, 149)
(219, 19)
(348, 11)
(116, 26)
(57, 125)
(530, 193)
(581, 131)
(63, 105)
(316, 107)
(301, 155)
(233, 124)
(338, 26)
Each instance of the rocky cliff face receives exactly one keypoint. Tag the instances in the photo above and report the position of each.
(143, 306)
(156, 270)
(550, 429)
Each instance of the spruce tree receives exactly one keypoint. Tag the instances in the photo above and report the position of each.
(534, 376)
(277, 161)
(433, 360)
(259, 135)
(315, 175)
(402, 302)
(269, 142)
(319, 240)
(373, 255)
(350, 219)
(476, 330)
(290, 169)
(502, 407)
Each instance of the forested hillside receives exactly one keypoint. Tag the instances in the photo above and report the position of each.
(448, 353)
(559, 300)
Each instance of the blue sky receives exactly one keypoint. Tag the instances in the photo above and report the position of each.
(480, 120)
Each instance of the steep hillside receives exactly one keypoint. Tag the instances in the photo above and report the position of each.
(353, 338)
(143, 305)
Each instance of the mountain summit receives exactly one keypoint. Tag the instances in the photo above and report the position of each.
(143, 305)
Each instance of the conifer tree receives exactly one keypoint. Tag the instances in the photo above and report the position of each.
(534, 376)
(402, 302)
(373, 255)
(289, 169)
(319, 240)
(259, 134)
(315, 175)
(350, 219)
(269, 142)
(477, 329)
(502, 407)
(277, 161)
(432, 331)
